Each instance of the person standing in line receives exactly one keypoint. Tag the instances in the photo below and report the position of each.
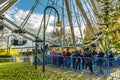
(100, 62)
(68, 54)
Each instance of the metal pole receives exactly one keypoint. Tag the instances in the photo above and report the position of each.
(36, 52)
(44, 33)
(8, 43)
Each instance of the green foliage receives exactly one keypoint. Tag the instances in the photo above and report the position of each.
(5, 55)
(19, 71)
(108, 20)
(5, 58)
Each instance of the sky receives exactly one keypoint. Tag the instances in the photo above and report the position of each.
(27, 4)
(18, 12)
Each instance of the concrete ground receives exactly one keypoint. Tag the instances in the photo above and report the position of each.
(85, 75)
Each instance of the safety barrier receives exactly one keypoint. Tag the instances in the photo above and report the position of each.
(6, 60)
(31, 60)
(115, 67)
(13, 59)
(26, 59)
(87, 64)
(99, 66)
(65, 62)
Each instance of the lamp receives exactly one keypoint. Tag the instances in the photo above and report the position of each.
(57, 24)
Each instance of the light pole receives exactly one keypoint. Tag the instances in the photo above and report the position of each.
(8, 42)
(58, 24)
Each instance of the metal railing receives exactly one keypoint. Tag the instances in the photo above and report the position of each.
(99, 66)
(6, 60)
(114, 67)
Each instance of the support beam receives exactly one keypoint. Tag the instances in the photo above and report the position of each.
(7, 6)
(94, 7)
(70, 22)
(63, 21)
(79, 4)
(77, 19)
(2, 2)
(29, 14)
(29, 38)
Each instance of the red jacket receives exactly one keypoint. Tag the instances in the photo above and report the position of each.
(64, 54)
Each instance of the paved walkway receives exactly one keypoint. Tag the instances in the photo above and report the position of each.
(78, 74)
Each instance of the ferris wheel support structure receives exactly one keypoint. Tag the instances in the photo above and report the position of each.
(79, 4)
(70, 22)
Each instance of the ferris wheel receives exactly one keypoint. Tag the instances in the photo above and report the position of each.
(88, 19)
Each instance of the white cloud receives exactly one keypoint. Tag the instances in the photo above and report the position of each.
(20, 15)
(76, 30)
(33, 24)
(34, 21)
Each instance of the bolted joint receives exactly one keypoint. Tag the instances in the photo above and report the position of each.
(19, 31)
(38, 40)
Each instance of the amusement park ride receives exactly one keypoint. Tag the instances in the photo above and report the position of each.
(96, 22)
